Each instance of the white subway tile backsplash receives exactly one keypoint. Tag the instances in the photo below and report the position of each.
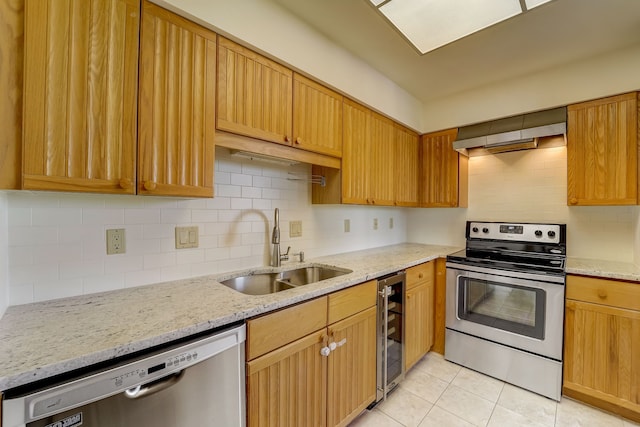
(102, 216)
(251, 193)
(52, 289)
(175, 216)
(261, 181)
(240, 179)
(21, 294)
(123, 263)
(216, 254)
(222, 178)
(190, 256)
(219, 202)
(155, 261)
(142, 216)
(228, 190)
(204, 215)
(72, 270)
(239, 204)
(19, 217)
(32, 236)
(103, 283)
(142, 277)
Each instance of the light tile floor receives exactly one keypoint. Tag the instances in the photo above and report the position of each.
(438, 393)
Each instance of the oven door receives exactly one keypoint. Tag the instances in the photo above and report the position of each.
(524, 313)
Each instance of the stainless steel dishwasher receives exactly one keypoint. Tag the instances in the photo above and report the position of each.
(198, 382)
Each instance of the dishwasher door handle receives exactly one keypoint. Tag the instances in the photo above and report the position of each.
(154, 386)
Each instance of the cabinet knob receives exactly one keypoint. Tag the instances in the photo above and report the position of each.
(325, 351)
(125, 183)
(287, 139)
(150, 185)
(298, 141)
(420, 276)
(573, 201)
(602, 294)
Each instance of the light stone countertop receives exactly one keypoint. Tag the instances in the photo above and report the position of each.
(604, 269)
(41, 340)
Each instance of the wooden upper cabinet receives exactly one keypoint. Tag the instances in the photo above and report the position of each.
(317, 117)
(406, 175)
(356, 161)
(80, 95)
(381, 149)
(11, 71)
(443, 172)
(255, 94)
(602, 151)
(177, 105)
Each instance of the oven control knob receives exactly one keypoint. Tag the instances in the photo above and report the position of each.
(474, 229)
(551, 234)
(538, 233)
(485, 230)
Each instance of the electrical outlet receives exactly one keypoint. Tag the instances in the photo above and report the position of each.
(391, 223)
(115, 241)
(295, 228)
(187, 237)
(375, 223)
(347, 225)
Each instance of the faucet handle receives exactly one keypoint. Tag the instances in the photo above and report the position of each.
(285, 256)
(300, 254)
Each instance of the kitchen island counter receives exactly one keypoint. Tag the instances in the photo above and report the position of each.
(42, 340)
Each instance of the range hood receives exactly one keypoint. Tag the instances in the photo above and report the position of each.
(512, 133)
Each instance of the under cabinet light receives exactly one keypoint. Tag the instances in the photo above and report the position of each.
(263, 158)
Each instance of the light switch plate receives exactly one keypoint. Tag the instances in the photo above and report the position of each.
(295, 228)
(115, 241)
(187, 237)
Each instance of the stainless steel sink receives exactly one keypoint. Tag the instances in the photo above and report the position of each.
(269, 283)
(306, 275)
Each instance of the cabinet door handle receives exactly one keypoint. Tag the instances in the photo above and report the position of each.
(150, 185)
(325, 351)
(333, 345)
(125, 183)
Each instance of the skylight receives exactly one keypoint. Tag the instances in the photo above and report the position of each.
(430, 24)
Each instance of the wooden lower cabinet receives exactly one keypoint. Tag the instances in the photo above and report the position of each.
(602, 344)
(288, 387)
(325, 378)
(352, 367)
(419, 313)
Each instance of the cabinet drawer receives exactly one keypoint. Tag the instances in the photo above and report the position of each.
(353, 300)
(420, 274)
(604, 291)
(274, 330)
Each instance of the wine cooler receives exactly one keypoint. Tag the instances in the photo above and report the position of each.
(390, 345)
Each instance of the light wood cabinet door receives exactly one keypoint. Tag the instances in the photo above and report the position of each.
(287, 387)
(381, 173)
(419, 309)
(406, 158)
(177, 105)
(356, 161)
(602, 357)
(352, 367)
(80, 95)
(255, 94)
(317, 117)
(11, 74)
(444, 173)
(602, 151)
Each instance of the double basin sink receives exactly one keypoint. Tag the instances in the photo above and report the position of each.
(269, 283)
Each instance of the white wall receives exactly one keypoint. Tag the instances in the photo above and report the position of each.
(4, 259)
(531, 186)
(609, 74)
(274, 31)
(57, 240)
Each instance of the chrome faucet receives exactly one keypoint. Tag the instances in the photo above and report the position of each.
(276, 257)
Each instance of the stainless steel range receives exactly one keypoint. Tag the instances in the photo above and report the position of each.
(505, 303)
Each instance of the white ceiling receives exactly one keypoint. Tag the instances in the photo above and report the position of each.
(553, 34)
